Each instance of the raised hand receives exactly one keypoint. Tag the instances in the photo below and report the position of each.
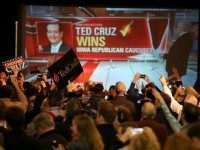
(147, 79)
(163, 80)
(157, 94)
(15, 71)
(136, 77)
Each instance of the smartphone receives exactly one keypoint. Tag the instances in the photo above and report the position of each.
(106, 97)
(142, 76)
(139, 101)
(135, 131)
(170, 86)
(55, 143)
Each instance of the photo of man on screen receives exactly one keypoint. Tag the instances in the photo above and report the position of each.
(54, 35)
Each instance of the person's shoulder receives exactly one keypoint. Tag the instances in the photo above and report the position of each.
(46, 48)
(186, 34)
(64, 47)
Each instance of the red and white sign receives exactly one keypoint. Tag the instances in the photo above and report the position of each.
(18, 63)
(95, 38)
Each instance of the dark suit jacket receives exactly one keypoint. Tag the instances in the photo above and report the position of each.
(179, 53)
(159, 129)
(63, 48)
(110, 139)
(122, 101)
(18, 140)
(45, 140)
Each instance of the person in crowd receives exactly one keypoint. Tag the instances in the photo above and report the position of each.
(121, 98)
(31, 93)
(140, 139)
(55, 34)
(3, 124)
(112, 92)
(1, 141)
(140, 98)
(192, 91)
(16, 138)
(174, 76)
(3, 78)
(96, 96)
(87, 88)
(148, 115)
(124, 119)
(175, 106)
(173, 122)
(72, 109)
(179, 49)
(160, 116)
(39, 90)
(85, 134)
(106, 115)
(53, 103)
(178, 141)
(45, 129)
(190, 115)
(11, 94)
(194, 134)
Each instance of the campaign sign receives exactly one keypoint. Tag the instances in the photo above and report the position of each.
(66, 68)
(18, 63)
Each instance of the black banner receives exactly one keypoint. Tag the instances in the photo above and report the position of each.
(66, 68)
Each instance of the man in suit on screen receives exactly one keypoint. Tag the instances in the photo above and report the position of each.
(180, 50)
(55, 34)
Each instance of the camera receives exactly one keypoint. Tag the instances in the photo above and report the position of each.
(142, 76)
(135, 131)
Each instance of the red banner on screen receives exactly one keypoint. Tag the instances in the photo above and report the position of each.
(96, 38)
(112, 38)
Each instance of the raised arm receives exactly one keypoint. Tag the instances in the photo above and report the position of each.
(175, 106)
(21, 96)
(175, 125)
(131, 91)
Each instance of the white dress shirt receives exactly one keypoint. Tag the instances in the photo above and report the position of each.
(55, 49)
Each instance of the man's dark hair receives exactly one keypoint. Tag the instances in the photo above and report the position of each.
(98, 88)
(178, 83)
(15, 117)
(7, 91)
(56, 23)
(191, 113)
(194, 130)
(112, 87)
(73, 108)
(108, 111)
(124, 115)
(149, 94)
(54, 98)
(2, 110)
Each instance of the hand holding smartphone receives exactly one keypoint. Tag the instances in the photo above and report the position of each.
(135, 131)
(142, 76)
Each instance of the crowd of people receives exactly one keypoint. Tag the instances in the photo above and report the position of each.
(36, 115)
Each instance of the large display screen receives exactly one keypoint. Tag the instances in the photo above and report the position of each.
(106, 33)
(110, 34)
